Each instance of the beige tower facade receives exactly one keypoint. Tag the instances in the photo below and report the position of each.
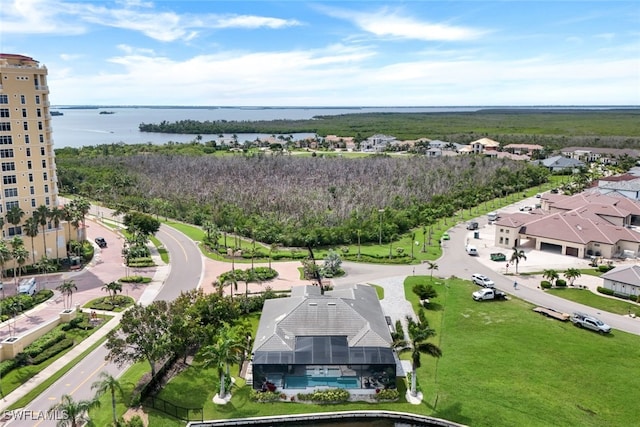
(27, 160)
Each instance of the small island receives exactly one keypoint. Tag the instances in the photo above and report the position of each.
(57, 113)
(107, 112)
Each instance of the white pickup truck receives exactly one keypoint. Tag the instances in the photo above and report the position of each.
(582, 320)
(486, 294)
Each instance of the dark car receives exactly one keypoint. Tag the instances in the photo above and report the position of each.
(101, 242)
(473, 225)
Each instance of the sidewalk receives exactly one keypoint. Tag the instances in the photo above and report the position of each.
(106, 267)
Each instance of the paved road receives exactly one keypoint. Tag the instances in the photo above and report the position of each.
(185, 273)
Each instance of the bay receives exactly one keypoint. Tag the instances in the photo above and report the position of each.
(85, 126)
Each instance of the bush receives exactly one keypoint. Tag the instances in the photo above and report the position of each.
(7, 366)
(135, 279)
(545, 284)
(387, 394)
(81, 322)
(605, 291)
(334, 395)
(265, 396)
(141, 262)
(52, 351)
(44, 342)
(42, 296)
(424, 291)
(605, 267)
(561, 283)
(621, 296)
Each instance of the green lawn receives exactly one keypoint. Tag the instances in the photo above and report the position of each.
(533, 370)
(586, 297)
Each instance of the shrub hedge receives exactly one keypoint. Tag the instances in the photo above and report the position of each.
(44, 342)
(605, 267)
(545, 284)
(561, 283)
(135, 279)
(52, 351)
(334, 395)
(605, 291)
(387, 394)
(265, 396)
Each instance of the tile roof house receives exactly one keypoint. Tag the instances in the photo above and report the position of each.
(593, 154)
(339, 339)
(484, 146)
(624, 279)
(559, 163)
(579, 225)
(377, 143)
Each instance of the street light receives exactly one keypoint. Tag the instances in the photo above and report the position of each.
(380, 212)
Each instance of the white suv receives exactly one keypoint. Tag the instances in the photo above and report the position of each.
(482, 280)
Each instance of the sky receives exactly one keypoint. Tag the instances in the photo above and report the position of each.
(330, 53)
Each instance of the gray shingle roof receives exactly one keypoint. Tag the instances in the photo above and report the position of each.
(628, 274)
(351, 311)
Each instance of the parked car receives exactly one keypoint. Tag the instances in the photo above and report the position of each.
(488, 294)
(482, 280)
(471, 250)
(445, 236)
(473, 225)
(101, 242)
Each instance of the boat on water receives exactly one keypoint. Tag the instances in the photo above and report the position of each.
(57, 113)
(107, 112)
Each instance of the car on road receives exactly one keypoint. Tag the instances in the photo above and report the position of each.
(482, 280)
(101, 242)
(473, 225)
(445, 236)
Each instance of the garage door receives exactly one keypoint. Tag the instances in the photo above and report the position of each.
(550, 247)
(572, 251)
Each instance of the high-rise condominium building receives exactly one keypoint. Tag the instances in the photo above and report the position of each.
(26, 151)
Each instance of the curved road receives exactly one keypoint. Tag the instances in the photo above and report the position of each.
(185, 273)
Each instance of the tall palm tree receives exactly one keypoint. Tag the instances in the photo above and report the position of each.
(572, 274)
(419, 333)
(5, 255)
(67, 288)
(57, 215)
(14, 216)
(20, 256)
(14, 307)
(42, 214)
(82, 207)
(75, 413)
(68, 216)
(112, 288)
(551, 275)
(107, 383)
(516, 256)
(31, 230)
(225, 350)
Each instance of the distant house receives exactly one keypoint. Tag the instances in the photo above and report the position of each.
(444, 146)
(626, 185)
(339, 339)
(377, 143)
(484, 146)
(596, 154)
(559, 163)
(624, 279)
(433, 152)
(334, 141)
(528, 149)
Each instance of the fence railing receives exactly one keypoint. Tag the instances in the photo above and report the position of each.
(176, 411)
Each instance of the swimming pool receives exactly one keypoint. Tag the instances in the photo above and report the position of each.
(309, 381)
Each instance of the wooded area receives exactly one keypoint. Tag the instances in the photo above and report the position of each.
(295, 200)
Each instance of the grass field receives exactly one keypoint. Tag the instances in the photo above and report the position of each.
(588, 298)
(502, 365)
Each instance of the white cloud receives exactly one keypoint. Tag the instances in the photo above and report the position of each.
(389, 23)
(252, 22)
(36, 17)
(339, 75)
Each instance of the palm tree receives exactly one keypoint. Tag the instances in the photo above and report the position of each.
(57, 215)
(42, 214)
(572, 274)
(68, 216)
(20, 255)
(67, 288)
(5, 255)
(75, 413)
(432, 266)
(45, 266)
(551, 275)
(14, 216)
(224, 351)
(107, 383)
(112, 288)
(516, 256)
(81, 206)
(31, 230)
(14, 307)
(273, 248)
(419, 333)
(231, 280)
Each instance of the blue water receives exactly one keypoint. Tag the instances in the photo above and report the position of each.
(83, 127)
(309, 381)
